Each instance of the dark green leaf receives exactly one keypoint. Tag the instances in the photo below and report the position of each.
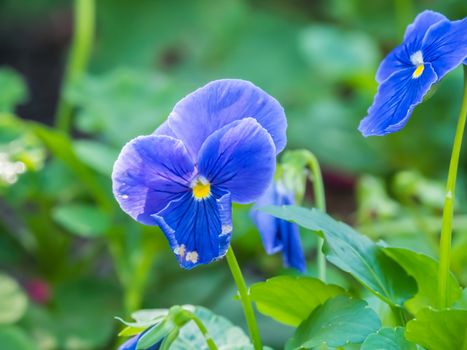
(425, 271)
(388, 339)
(13, 301)
(354, 253)
(439, 329)
(339, 321)
(82, 219)
(290, 299)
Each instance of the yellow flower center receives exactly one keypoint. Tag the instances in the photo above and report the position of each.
(418, 71)
(201, 189)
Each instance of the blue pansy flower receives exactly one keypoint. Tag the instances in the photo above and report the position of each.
(279, 235)
(432, 47)
(218, 146)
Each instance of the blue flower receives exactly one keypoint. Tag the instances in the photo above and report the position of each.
(279, 235)
(132, 343)
(432, 47)
(217, 146)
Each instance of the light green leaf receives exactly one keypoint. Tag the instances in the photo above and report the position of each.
(388, 339)
(14, 338)
(354, 253)
(14, 90)
(425, 271)
(339, 321)
(222, 331)
(290, 299)
(346, 54)
(13, 301)
(156, 333)
(122, 104)
(462, 302)
(439, 329)
(96, 155)
(82, 219)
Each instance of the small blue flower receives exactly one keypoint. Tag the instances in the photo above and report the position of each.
(432, 47)
(218, 146)
(279, 235)
(132, 343)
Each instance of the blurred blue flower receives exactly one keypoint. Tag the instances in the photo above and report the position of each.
(432, 47)
(279, 235)
(218, 146)
(132, 343)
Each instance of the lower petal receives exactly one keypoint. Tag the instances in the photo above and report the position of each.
(291, 245)
(395, 100)
(198, 230)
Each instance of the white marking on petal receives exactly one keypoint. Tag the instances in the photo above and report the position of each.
(192, 257)
(417, 58)
(226, 229)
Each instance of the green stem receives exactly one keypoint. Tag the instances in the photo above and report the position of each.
(320, 199)
(245, 299)
(448, 211)
(204, 332)
(78, 58)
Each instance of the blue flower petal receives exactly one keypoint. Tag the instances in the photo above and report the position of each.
(445, 46)
(198, 230)
(416, 31)
(150, 172)
(239, 158)
(279, 235)
(396, 98)
(219, 103)
(399, 58)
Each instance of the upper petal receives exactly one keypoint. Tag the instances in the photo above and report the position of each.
(219, 103)
(445, 45)
(198, 230)
(150, 172)
(399, 58)
(416, 31)
(395, 100)
(239, 158)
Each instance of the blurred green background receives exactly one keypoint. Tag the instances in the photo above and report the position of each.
(78, 260)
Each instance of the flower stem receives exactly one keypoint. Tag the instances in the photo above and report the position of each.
(78, 58)
(245, 299)
(318, 190)
(204, 332)
(448, 211)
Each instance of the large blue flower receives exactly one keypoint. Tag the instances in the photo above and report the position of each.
(432, 47)
(218, 145)
(279, 235)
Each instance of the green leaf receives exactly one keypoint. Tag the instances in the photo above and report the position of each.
(13, 301)
(388, 339)
(354, 253)
(439, 329)
(82, 219)
(425, 271)
(346, 54)
(14, 90)
(290, 299)
(122, 104)
(14, 338)
(155, 334)
(96, 155)
(221, 330)
(339, 321)
(462, 302)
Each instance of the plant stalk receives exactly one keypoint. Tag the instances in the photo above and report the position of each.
(245, 299)
(82, 42)
(448, 211)
(320, 200)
